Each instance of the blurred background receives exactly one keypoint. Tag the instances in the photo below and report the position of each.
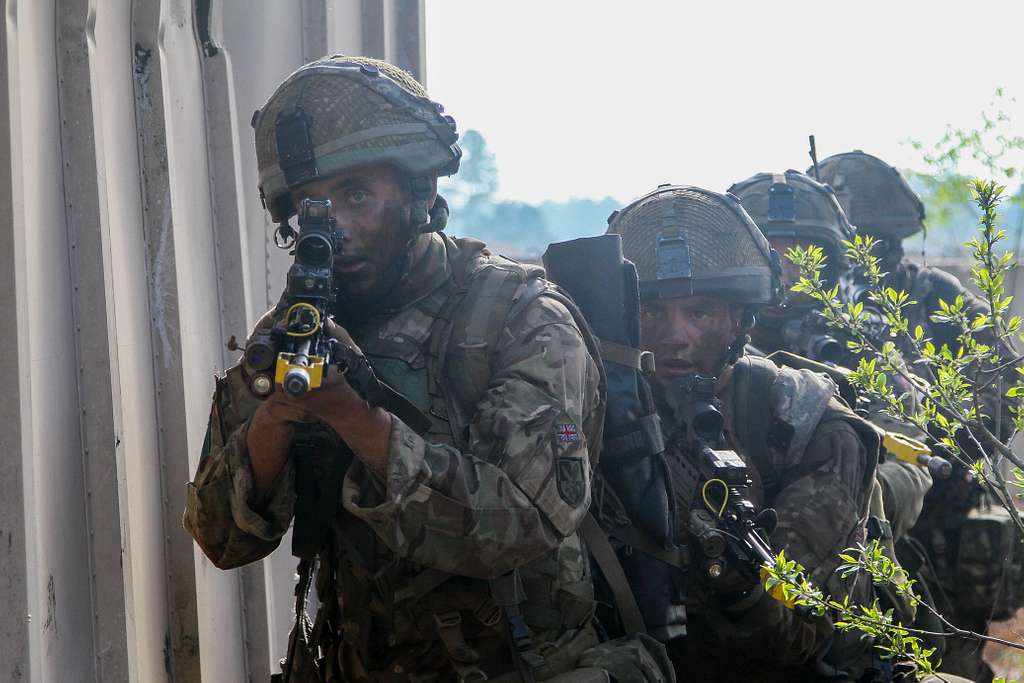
(133, 244)
(571, 109)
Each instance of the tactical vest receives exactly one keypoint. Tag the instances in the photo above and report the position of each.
(439, 352)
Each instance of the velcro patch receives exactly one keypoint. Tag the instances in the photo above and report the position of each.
(569, 476)
(567, 433)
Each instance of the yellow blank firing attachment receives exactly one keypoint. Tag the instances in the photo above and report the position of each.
(776, 592)
(314, 369)
(916, 453)
(905, 448)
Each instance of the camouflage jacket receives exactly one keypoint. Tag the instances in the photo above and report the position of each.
(413, 551)
(817, 473)
(903, 485)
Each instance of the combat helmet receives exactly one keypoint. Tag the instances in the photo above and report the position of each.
(687, 241)
(793, 204)
(876, 198)
(341, 112)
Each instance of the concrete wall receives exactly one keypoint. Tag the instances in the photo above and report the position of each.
(132, 246)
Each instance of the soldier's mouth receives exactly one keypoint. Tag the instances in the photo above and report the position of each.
(349, 264)
(675, 367)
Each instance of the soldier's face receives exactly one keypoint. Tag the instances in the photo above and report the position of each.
(372, 205)
(689, 334)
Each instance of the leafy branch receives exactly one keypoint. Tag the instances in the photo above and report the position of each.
(949, 397)
(894, 640)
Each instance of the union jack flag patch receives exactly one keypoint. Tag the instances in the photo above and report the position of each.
(567, 433)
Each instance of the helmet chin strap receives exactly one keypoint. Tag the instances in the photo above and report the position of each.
(424, 218)
(736, 349)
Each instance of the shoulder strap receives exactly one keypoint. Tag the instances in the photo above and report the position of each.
(492, 290)
(603, 553)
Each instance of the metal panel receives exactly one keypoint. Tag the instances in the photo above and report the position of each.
(89, 298)
(407, 37)
(265, 42)
(113, 90)
(314, 29)
(134, 244)
(232, 261)
(62, 624)
(14, 589)
(158, 228)
(375, 32)
(344, 20)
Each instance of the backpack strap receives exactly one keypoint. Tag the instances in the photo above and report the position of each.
(602, 552)
(491, 291)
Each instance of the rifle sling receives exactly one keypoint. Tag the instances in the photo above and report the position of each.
(636, 539)
(402, 408)
(603, 553)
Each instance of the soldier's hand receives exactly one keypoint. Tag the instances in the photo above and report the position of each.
(317, 405)
(333, 398)
(336, 331)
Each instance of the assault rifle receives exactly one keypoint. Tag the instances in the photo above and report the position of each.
(809, 335)
(712, 488)
(810, 338)
(296, 355)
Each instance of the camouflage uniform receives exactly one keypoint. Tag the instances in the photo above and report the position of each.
(463, 561)
(456, 511)
(819, 483)
(813, 462)
(968, 572)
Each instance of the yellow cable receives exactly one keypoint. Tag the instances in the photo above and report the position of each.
(316, 319)
(725, 497)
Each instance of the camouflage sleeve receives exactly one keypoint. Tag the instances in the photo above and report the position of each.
(220, 512)
(523, 483)
(903, 489)
(820, 507)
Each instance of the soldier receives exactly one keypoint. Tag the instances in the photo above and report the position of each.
(880, 202)
(704, 270)
(794, 210)
(451, 554)
(967, 569)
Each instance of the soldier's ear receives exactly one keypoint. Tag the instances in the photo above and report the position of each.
(433, 191)
(738, 318)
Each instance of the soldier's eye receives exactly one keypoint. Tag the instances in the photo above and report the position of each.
(358, 196)
(651, 312)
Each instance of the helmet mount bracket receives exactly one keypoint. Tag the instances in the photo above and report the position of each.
(294, 137)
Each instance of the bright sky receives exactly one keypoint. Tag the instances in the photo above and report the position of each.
(591, 98)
